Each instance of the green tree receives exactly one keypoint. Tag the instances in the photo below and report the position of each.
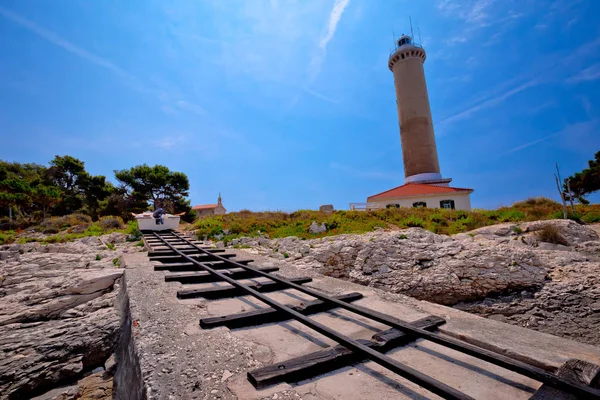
(158, 185)
(94, 190)
(45, 197)
(586, 182)
(26, 189)
(67, 173)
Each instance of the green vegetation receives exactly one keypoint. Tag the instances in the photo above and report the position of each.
(116, 262)
(279, 224)
(7, 237)
(43, 195)
(584, 183)
(550, 234)
(70, 227)
(162, 187)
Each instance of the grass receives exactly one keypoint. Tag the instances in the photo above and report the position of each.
(7, 237)
(63, 234)
(279, 224)
(549, 234)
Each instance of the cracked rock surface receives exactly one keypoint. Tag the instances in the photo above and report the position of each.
(567, 305)
(553, 288)
(58, 320)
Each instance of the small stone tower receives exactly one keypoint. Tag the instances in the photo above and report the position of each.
(419, 152)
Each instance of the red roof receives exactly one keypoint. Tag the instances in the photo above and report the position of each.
(205, 207)
(417, 189)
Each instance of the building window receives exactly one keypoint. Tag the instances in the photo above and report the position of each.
(420, 204)
(392, 206)
(449, 204)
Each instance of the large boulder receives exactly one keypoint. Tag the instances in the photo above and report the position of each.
(425, 265)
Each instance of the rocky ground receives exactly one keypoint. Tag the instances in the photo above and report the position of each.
(58, 320)
(505, 271)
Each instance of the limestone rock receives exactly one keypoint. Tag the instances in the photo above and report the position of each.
(57, 314)
(440, 268)
(316, 228)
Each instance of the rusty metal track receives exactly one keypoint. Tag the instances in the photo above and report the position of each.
(204, 260)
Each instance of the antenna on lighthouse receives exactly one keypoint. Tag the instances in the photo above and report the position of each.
(412, 36)
(419, 32)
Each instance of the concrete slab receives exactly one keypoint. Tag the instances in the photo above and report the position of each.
(180, 360)
(536, 348)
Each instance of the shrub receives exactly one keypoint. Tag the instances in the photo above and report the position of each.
(7, 237)
(93, 230)
(414, 222)
(277, 224)
(517, 230)
(133, 230)
(78, 219)
(591, 217)
(51, 225)
(209, 226)
(110, 222)
(550, 234)
(51, 229)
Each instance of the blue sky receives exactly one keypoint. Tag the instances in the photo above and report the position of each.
(289, 104)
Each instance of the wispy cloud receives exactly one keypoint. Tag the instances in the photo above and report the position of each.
(543, 106)
(574, 131)
(551, 69)
(476, 15)
(66, 45)
(587, 106)
(169, 142)
(129, 79)
(456, 40)
(490, 102)
(475, 12)
(321, 96)
(529, 144)
(589, 74)
(334, 18)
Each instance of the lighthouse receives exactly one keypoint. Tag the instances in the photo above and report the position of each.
(419, 152)
(423, 185)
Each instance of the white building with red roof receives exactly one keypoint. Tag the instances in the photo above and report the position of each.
(210, 209)
(424, 185)
(423, 195)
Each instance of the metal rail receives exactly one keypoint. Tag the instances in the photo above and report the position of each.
(429, 383)
(582, 391)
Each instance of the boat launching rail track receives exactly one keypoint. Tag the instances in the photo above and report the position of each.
(190, 262)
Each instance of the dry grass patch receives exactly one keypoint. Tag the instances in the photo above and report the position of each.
(550, 234)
